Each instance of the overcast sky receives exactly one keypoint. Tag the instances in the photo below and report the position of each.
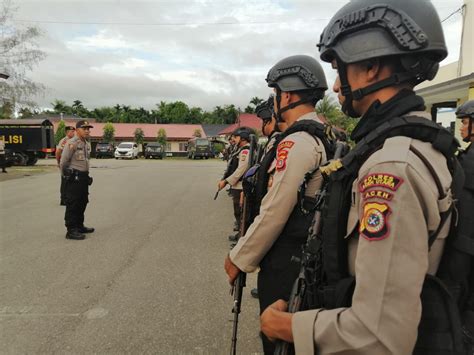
(203, 52)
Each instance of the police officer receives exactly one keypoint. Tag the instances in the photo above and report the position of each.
(399, 193)
(466, 204)
(280, 228)
(70, 130)
(270, 128)
(238, 165)
(74, 166)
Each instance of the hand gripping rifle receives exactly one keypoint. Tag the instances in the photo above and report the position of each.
(239, 282)
(312, 250)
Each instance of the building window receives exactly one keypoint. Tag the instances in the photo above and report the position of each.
(182, 147)
(168, 147)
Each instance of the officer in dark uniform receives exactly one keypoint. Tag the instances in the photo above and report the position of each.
(74, 166)
(466, 203)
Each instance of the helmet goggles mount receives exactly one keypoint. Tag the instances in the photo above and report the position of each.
(419, 62)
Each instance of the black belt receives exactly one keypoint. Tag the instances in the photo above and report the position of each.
(80, 173)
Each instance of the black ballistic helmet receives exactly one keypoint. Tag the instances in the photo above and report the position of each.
(243, 133)
(368, 29)
(295, 73)
(298, 73)
(466, 110)
(265, 110)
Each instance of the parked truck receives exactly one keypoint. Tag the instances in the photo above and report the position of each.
(26, 140)
(199, 148)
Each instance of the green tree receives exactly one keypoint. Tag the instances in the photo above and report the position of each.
(161, 137)
(6, 110)
(335, 117)
(139, 137)
(256, 101)
(109, 132)
(59, 106)
(197, 133)
(60, 132)
(25, 112)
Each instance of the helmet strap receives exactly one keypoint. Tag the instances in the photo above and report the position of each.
(470, 133)
(357, 95)
(291, 106)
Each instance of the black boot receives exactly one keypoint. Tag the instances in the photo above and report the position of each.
(236, 226)
(75, 234)
(85, 229)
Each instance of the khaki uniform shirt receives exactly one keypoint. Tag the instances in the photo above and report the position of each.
(395, 205)
(75, 155)
(296, 155)
(234, 180)
(60, 148)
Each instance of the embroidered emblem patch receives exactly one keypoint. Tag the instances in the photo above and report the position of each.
(374, 223)
(377, 194)
(388, 181)
(282, 154)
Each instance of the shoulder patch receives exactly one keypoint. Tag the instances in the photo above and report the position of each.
(282, 154)
(388, 181)
(286, 144)
(245, 152)
(374, 222)
(385, 195)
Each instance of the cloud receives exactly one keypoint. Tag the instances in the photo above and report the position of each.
(203, 52)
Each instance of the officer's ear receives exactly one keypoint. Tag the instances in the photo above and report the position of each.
(372, 69)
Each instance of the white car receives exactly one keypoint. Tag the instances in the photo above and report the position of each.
(128, 150)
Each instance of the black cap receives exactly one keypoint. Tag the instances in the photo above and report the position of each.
(70, 128)
(83, 124)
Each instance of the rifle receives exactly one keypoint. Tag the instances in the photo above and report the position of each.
(312, 250)
(239, 282)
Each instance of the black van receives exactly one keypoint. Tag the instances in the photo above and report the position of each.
(199, 148)
(154, 150)
(104, 150)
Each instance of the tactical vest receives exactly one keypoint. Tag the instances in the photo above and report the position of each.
(440, 330)
(233, 163)
(294, 233)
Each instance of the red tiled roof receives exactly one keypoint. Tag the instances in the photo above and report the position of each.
(244, 120)
(127, 130)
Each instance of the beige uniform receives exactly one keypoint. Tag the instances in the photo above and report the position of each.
(75, 155)
(303, 153)
(235, 180)
(60, 148)
(395, 205)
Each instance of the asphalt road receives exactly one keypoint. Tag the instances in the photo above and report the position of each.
(149, 280)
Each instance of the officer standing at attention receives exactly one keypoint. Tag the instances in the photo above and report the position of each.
(466, 200)
(398, 187)
(74, 166)
(280, 228)
(70, 130)
(239, 164)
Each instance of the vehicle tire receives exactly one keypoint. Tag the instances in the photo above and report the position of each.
(32, 160)
(116, 158)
